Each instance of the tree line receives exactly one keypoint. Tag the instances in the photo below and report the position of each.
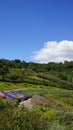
(17, 69)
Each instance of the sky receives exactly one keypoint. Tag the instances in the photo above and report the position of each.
(36, 30)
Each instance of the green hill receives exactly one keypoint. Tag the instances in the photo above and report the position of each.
(50, 91)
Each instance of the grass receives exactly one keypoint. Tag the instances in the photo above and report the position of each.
(60, 96)
(58, 110)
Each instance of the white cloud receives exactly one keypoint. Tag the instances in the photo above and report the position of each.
(54, 51)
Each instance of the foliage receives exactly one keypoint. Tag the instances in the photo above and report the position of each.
(51, 74)
(52, 81)
(18, 118)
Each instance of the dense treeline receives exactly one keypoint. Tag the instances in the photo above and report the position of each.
(7, 64)
(17, 70)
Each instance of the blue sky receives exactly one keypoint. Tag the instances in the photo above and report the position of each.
(27, 25)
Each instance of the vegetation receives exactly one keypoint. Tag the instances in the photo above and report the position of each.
(51, 88)
(19, 71)
(13, 117)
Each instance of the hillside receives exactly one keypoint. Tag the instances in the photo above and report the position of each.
(51, 74)
(48, 92)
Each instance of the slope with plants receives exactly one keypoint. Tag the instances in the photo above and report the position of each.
(50, 88)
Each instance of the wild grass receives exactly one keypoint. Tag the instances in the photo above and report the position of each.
(56, 115)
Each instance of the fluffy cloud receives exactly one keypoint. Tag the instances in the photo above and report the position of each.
(54, 51)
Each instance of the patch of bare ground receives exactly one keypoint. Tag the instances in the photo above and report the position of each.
(26, 103)
(41, 101)
(34, 101)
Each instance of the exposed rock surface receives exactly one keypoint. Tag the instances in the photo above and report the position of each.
(26, 103)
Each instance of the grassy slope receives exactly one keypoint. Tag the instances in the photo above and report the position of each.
(59, 100)
(60, 96)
